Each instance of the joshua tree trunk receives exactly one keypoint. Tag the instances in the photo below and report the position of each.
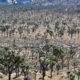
(57, 72)
(40, 67)
(74, 66)
(43, 75)
(58, 68)
(43, 72)
(51, 72)
(9, 77)
(7, 32)
(62, 63)
(78, 77)
(35, 75)
(17, 72)
(68, 60)
(78, 34)
(26, 76)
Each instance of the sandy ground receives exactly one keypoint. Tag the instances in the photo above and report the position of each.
(47, 77)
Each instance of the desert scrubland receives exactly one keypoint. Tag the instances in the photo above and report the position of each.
(39, 44)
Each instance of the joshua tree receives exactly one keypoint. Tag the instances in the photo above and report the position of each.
(72, 76)
(78, 73)
(46, 47)
(2, 29)
(41, 54)
(7, 28)
(57, 26)
(58, 68)
(70, 54)
(25, 69)
(61, 32)
(72, 51)
(52, 62)
(11, 32)
(50, 33)
(44, 64)
(20, 29)
(10, 61)
(71, 32)
(35, 69)
(61, 55)
(78, 32)
(58, 52)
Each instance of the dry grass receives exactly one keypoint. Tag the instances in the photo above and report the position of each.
(55, 77)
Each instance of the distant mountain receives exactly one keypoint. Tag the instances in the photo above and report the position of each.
(64, 2)
(23, 1)
(3, 1)
(48, 2)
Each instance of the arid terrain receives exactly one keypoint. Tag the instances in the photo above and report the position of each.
(49, 42)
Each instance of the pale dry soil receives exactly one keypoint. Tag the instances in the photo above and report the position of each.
(55, 77)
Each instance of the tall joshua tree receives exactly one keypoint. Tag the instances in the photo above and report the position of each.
(61, 55)
(44, 64)
(25, 69)
(71, 32)
(3, 30)
(10, 61)
(7, 28)
(78, 32)
(52, 62)
(20, 30)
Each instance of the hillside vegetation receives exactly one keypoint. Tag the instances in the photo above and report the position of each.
(40, 44)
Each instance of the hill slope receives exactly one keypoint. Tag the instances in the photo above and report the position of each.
(53, 2)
